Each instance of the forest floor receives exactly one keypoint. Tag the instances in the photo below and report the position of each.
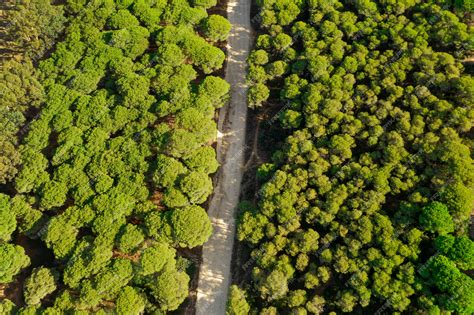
(215, 275)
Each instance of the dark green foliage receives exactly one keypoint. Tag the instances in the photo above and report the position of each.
(374, 169)
(458, 249)
(33, 26)
(191, 226)
(435, 218)
(457, 288)
(464, 5)
(7, 218)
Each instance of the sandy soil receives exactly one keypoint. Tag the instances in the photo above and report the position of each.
(215, 275)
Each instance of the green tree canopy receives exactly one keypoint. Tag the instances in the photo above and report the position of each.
(191, 226)
(40, 283)
(13, 260)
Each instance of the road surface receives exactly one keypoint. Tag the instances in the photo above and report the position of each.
(214, 274)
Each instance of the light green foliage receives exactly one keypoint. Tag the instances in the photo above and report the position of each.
(274, 286)
(169, 289)
(31, 219)
(60, 236)
(258, 94)
(215, 89)
(197, 186)
(53, 194)
(122, 19)
(40, 283)
(237, 304)
(204, 3)
(13, 260)
(7, 307)
(130, 301)
(258, 57)
(34, 25)
(459, 200)
(156, 258)
(216, 28)
(130, 239)
(203, 160)
(167, 171)
(191, 226)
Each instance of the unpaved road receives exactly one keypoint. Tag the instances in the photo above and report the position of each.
(214, 274)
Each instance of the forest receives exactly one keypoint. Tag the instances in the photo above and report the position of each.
(108, 124)
(364, 197)
(365, 204)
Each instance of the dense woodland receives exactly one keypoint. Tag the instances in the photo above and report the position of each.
(365, 206)
(107, 118)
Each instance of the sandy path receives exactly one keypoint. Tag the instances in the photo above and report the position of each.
(214, 275)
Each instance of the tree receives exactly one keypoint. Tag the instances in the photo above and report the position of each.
(40, 283)
(13, 259)
(7, 218)
(237, 303)
(435, 218)
(215, 89)
(274, 286)
(54, 194)
(458, 198)
(130, 301)
(281, 42)
(191, 226)
(197, 186)
(290, 119)
(9, 160)
(60, 236)
(458, 249)
(450, 280)
(258, 94)
(181, 143)
(174, 198)
(35, 25)
(167, 171)
(258, 57)
(31, 219)
(206, 4)
(7, 307)
(276, 69)
(169, 289)
(122, 19)
(252, 226)
(203, 160)
(156, 258)
(130, 239)
(316, 304)
(216, 27)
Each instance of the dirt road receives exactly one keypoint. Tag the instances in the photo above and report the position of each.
(214, 275)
